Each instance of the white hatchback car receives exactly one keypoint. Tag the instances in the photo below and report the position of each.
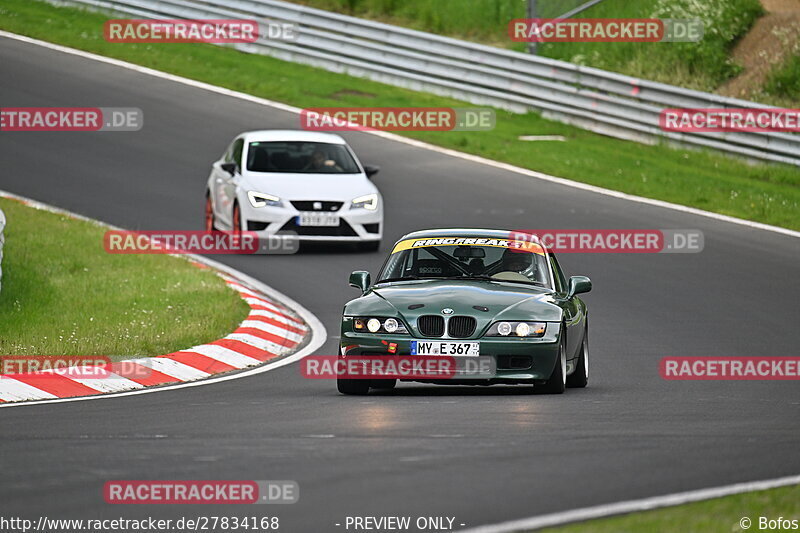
(295, 182)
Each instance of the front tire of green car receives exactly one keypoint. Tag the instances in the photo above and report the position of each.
(385, 384)
(580, 377)
(557, 382)
(353, 387)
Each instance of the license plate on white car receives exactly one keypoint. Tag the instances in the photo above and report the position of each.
(470, 349)
(317, 219)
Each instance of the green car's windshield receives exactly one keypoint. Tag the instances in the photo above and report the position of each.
(478, 262)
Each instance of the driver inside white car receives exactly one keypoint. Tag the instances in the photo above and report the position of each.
(320, 162)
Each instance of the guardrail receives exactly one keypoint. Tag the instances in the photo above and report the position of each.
(2, 241)
(593, 99)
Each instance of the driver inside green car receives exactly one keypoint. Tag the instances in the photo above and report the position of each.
(514, 263)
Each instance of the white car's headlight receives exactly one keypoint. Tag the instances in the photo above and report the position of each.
(260, 199)
(368, 201)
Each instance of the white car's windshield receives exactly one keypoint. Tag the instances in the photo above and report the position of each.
(300, 157)
(491, 263)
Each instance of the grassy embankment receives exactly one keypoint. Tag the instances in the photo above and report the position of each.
(720, 515)
(62, 294)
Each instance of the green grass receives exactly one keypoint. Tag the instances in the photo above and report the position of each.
(760, 192)
(784, 82)
(704, 65)
(62, 294)
(476, 20)
(721, 515)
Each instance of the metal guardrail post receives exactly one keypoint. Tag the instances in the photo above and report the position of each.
(532, 15)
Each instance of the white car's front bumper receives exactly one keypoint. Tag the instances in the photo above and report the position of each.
(355, 225)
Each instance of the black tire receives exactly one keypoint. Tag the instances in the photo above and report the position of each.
(369, 246)
(556, 384)
(357, 387)
(384, 384)
(580, 377)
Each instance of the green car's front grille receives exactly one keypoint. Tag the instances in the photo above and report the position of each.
(461, 327)
(431, 325)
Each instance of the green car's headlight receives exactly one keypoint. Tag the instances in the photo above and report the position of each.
(377, 325)
(510, 328)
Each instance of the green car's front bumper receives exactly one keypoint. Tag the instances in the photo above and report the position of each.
(517, 360)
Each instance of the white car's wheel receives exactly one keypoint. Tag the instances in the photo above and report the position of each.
(210, 222)
(236, 219)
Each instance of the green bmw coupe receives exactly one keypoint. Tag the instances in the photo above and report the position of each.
(466, 293)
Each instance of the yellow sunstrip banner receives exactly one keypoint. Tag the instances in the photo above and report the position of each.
(522, 246)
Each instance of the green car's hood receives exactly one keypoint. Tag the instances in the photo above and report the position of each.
(505, 301)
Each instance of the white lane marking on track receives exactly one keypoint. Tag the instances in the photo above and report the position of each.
(262, 302)
(12, 390)
(278, 318)
(225, 355)
(317, 340)
(172, 368)
(275, 330)
(242, 290)
(258, 342)
(632, 506)
(113, 383)
(411, 142)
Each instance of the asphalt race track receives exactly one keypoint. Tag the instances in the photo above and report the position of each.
(482, 455)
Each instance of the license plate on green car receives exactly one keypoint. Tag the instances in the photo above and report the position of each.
(455, 349)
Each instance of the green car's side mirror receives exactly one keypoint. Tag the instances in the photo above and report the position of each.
(360, 280)
(578, 285)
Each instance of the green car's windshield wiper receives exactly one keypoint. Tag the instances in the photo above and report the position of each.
(399, 278)
(490, 278)
(475, 276)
